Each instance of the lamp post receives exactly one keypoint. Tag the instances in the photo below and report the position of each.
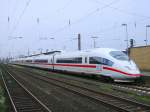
(51, 38)
(126, 36)
(147, 26)
(17, 37)
(79, 41)
(94, 41)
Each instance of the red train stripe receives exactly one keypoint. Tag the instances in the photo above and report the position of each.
(73, 65)
(76, 65)
(92, 66)
(115, 70)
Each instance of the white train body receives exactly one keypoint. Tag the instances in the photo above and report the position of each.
(104, 62)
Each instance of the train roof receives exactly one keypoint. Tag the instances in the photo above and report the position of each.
(46, 53)
(43, 57)
(90, 52)
(94, 50)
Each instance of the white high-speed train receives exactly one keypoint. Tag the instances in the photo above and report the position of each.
(105, 62)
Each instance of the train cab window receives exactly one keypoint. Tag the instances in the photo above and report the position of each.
(69, 60)
(119, 55)
(99, 60)
(41, 61)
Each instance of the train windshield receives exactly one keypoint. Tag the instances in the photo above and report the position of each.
(119, 55)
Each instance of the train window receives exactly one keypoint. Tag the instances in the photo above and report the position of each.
(119, 55)
(107, 62)
(41, 61)
(95, 60)
(99, 60)
(70, 60)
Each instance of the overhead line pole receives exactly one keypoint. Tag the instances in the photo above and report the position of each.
(127, 39)
(94, 40)
(79, 42)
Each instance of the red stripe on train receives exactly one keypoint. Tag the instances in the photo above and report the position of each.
(93, 66)
(115, 70)
(71, 65)
(76, 65)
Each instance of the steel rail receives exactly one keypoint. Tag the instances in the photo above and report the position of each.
(28, 92)
(13, 105)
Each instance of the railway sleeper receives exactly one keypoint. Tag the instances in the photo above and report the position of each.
(20, 97)
(25, 104)
(22, 101)
(30, 110)
(137, 110)
(26, 107)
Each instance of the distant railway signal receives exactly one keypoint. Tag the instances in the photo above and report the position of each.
(132, 41)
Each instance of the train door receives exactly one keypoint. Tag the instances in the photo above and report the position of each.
(53, 62)
(85, 62)
(87, 70)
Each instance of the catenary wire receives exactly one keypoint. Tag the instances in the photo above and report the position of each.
(84, 17)
(20, 17)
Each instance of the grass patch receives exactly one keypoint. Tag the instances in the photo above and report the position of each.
(141, 98)
(107, 88)
(134, 96)
(146, 99)
(2, 100)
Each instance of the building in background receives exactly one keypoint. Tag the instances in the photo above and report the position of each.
(141, 56)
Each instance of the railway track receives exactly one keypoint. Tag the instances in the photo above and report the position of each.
(139, 90)
(118, 103)
(21, 98)
(142, 90)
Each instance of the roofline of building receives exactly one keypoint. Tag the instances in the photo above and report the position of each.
(140, 46)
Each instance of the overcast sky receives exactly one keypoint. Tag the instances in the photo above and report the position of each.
(54, 24)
